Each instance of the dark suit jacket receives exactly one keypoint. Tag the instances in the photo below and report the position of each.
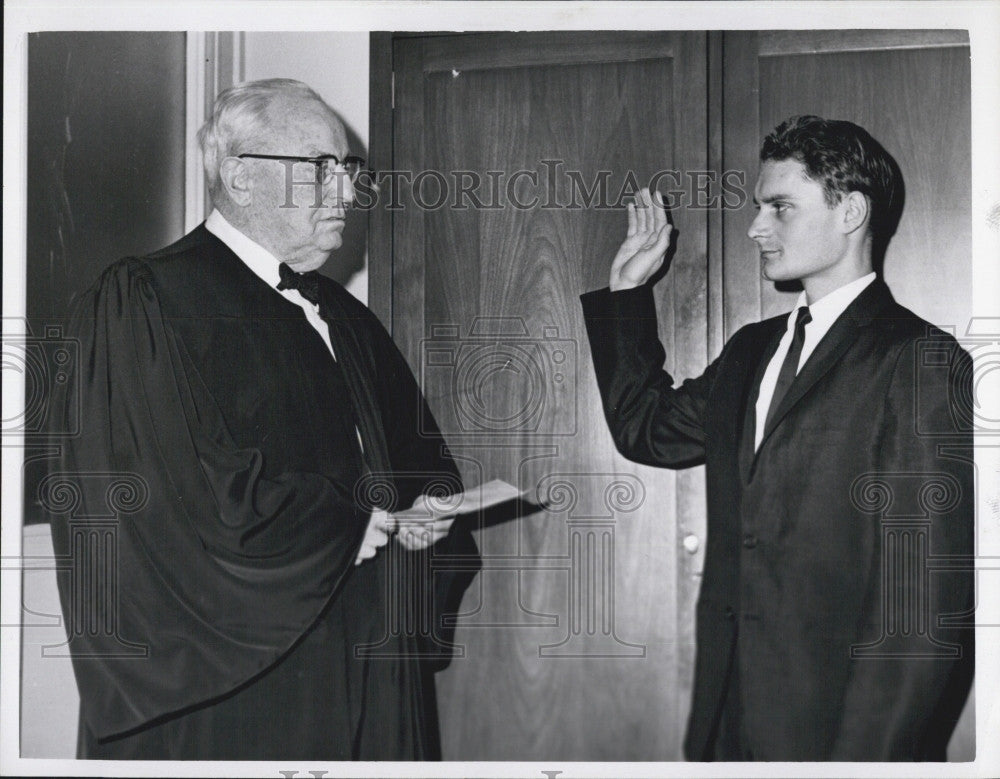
(212, 399)
(802, 562)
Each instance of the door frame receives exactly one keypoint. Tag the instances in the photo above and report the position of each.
(215, 61)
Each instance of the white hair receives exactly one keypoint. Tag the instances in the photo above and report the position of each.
(240, 118)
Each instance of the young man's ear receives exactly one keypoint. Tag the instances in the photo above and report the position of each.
(235, 179)
(856, 207)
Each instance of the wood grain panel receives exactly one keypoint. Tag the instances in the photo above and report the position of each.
(781, 43)
(407, 293)
(741, 282)
(380, 158)
(716, 161)
(687, 286)
(489, 51)
(552, 672)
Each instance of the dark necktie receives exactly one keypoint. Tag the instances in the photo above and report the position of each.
(791, 364)
(306, 283)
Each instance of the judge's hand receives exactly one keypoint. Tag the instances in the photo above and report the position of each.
(376, 536)
(425, 523)
(645, 245)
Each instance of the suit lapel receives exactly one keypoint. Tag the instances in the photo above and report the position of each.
(832, 347)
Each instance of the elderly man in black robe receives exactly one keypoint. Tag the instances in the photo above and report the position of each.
(274, 428)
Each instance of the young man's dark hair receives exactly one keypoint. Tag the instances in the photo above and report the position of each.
(844, 158)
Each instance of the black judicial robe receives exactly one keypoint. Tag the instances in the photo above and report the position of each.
(212, 397)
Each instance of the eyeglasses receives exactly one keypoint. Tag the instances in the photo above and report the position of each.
(325, 172)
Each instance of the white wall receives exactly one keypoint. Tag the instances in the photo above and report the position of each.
(49, 699)
(335, 64)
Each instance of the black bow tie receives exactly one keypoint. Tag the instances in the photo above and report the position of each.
(306, 283)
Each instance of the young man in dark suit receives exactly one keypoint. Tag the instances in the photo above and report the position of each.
(257, 427)
(836, 465)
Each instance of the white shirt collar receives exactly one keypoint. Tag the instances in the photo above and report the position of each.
(825, 311)
(254, 256)
(265, 267)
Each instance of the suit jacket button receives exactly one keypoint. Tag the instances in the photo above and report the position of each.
(749, 540)
(730, 614)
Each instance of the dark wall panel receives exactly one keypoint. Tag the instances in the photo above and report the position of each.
(105, 168)
(105, 155)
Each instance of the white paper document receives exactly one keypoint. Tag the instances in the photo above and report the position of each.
(474, 499)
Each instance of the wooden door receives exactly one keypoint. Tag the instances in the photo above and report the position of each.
(911, 90)
(577, 634)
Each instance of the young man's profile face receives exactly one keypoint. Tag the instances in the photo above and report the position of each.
(799, 235)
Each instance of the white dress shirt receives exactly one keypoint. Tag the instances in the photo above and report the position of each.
(265, 267)
(824, 312)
